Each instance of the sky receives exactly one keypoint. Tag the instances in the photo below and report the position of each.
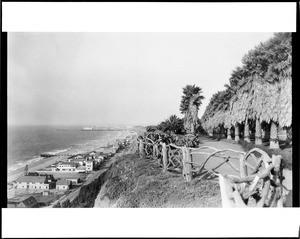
(116, 78)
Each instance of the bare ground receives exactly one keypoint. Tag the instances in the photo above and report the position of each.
(133, 182)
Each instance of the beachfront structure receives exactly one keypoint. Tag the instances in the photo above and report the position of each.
(23, 202)
(32, 174)
(32, 182)
(99, 159)
(63, 184)
(92, 155)
(49, 178)
(89, 165)
(73, 181)
(46, 193)
(10, 191)
(81, 169)
(80, 161)
(52, 169)
(74, 157)
(67, 166)
(89, 157)
(78, 156)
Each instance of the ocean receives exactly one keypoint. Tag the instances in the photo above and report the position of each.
(26, 143)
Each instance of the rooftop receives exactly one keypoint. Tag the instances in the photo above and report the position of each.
(81, 168)
(78, 160)
(62, 182)
(68, 163)
(40, 179)
(27, 200)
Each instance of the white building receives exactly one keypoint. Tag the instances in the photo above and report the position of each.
(99, 159)
(73, 181)
(81, 169)
(80, 161)
(63, 184)
(52, 169)
(67, 166)
(32, 182)
(78, 157)
(89, 165)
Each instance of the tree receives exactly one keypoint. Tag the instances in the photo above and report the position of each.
(272, 99)
(191, 100)
(217, 112)
(172, 125)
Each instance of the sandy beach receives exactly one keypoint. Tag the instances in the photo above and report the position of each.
(91, 146)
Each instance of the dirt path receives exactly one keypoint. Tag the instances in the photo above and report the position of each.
(214, 161)
(225, 169)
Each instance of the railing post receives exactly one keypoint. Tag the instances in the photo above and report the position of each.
(188, 165)
(137, 146)
(183, 161)
(243, 169)
(141, 149)
(226, 192)
(155, 151)
(278, 200)
(165, 156)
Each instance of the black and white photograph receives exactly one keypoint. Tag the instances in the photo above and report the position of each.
(153, 119)
(149, 119)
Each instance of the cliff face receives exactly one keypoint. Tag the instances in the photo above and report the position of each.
(133, 182)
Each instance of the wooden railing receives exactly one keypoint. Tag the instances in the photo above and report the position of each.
(257, 184)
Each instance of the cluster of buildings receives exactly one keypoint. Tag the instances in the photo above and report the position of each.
(46, 182)
(23, 202)
(78, 163)
(43, 180)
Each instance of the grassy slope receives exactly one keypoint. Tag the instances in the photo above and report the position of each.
(135, 182)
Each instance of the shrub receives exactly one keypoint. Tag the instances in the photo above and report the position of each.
(87, 194)
(57, 205)
(189, 140)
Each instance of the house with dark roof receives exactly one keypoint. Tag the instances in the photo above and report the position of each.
(32, 182)
(23, 202)
(63, 184)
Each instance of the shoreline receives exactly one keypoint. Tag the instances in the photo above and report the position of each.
(99, 146)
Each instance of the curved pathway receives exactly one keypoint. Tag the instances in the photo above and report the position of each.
(214, 161)
(225, 169)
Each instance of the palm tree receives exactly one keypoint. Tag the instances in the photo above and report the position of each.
(189, 106)
(217, 111)
(172, 125)
(258, 91)
(277, 108)
(279, 71)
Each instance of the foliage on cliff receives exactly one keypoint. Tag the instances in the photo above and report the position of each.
(134, 182)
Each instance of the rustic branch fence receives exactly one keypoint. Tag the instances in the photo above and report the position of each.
(257, 184)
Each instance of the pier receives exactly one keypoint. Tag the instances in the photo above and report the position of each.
(52, 155)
